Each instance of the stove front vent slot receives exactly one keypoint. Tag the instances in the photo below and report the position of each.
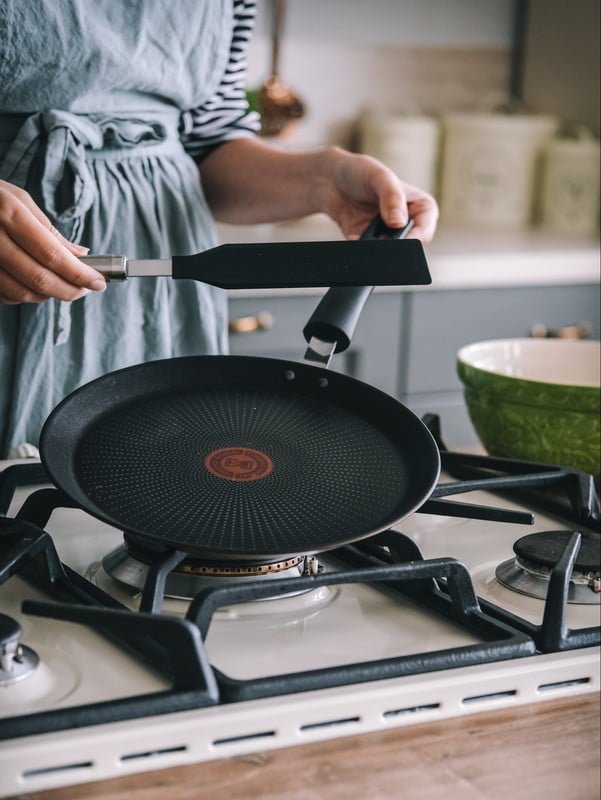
(243, 738)
(164, 751)
(486, 698)
(40, 771)
(330, 723)
(397, 712)
(561, 685)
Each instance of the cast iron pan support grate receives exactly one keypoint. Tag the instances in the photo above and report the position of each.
(527, 482)
(168, 644)
(460, 604)
(552, 635)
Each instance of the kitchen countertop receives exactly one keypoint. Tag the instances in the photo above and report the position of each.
(458, 258)
(545, 750)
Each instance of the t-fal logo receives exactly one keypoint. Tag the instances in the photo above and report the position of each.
(238, 464)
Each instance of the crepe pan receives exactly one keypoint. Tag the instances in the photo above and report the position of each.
(246, 459)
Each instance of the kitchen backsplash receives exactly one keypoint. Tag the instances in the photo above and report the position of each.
(395, 85)
(338, 82)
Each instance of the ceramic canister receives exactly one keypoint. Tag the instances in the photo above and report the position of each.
(490, 167)
(569, 197)
(409, 145)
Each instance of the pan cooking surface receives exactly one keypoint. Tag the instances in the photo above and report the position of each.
(241, 470)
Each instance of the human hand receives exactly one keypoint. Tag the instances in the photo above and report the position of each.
(355, 187)
(36, 261)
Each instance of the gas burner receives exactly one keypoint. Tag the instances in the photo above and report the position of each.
(536, 555)
(129, 565)
(16, 660)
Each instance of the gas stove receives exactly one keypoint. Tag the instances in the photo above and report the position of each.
(116, 658)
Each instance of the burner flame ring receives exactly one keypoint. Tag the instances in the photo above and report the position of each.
(224, 571)
(193, 566)
(579, 578)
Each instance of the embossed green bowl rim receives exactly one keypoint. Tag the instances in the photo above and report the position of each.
(553, 396)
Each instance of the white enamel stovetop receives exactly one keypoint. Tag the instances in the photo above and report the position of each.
(324, 628)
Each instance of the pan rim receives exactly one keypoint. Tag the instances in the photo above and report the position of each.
(50, 449)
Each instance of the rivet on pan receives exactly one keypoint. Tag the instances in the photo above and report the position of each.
(322, 382)
(289, 375)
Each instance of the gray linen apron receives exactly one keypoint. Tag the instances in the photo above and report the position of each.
(91, 97)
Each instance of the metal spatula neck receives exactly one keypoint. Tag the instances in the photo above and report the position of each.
(118, 268)
(149, 267)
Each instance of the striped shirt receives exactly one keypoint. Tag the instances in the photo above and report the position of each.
(226, 114)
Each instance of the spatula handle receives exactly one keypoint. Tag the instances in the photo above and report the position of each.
(338, 312)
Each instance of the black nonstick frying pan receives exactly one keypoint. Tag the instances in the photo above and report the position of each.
(244, 458)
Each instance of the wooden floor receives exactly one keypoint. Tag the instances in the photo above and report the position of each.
(547, 750)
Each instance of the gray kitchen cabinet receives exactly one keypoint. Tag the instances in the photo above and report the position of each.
(374, 354)
(406, 341)
(438, 323)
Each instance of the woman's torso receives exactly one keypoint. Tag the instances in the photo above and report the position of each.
(148, 60)
(110, 55)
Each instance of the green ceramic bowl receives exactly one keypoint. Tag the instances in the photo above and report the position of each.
(536, 399)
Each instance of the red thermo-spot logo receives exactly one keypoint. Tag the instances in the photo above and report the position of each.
(238, 464)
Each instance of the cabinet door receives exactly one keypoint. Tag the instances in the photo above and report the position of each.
(443, 321)
(373, 356)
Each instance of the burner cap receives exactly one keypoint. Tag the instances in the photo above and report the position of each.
(545, 548)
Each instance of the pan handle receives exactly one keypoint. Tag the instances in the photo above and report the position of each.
(338, 312)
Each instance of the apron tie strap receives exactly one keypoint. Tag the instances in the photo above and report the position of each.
(48, 157)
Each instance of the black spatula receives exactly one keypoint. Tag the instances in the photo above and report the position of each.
(386, 262)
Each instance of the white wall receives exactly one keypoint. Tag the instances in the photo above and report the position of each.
(415, 23)
(345, 57)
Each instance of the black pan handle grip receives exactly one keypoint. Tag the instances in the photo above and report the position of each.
(338, 312)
